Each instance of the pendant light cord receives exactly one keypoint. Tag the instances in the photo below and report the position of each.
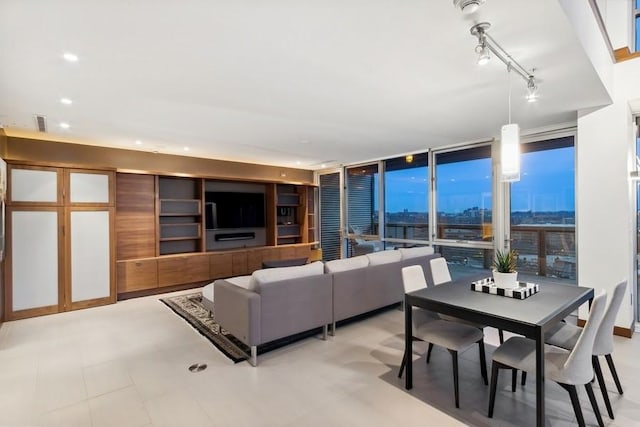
(509, 76)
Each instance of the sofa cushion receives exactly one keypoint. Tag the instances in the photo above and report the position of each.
(408, 253)
(339, 265)
(384, 257)
(284, 262)
(241, 282)
(284, 273)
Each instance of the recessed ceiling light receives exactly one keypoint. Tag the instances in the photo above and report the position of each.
(64, 125)
(186, 148)
(70, 57)
(138, 142)
(298, 162)
(304, 141)
(66, 101)
(323, 165)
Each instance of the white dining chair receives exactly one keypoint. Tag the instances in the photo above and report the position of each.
(567, 368)
(440, 274)
(566, 336)
(428, 327)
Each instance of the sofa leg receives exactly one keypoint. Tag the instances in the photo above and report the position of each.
(333, 329)
(325, 329)
(254, 356)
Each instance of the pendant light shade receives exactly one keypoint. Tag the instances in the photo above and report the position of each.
(510, 152)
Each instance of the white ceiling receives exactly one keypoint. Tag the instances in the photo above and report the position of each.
(291, 83)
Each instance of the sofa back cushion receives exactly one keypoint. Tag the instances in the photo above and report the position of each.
(284, 273)
(408, 253)
(347, 264)
(384, 257)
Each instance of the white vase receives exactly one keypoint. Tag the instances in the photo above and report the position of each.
(505, 280)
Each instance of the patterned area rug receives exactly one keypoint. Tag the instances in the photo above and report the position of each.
(190, 308)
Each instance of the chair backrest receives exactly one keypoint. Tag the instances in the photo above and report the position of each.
(440, 271)
(603, 344)
(578, 368)
(413, 278)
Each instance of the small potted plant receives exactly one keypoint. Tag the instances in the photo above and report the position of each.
(504, 273)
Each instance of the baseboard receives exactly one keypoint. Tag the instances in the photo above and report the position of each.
(617, 330)
(155, 291)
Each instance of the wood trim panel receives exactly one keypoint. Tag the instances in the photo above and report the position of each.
(60, 185)
(624, 54)
(220, 265)
(617, 330)
(271, 229)
(135, 216)
(31, 148)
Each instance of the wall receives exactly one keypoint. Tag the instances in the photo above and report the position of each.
(3, 147)
(617, 19)
(606, 207)
(66, 154)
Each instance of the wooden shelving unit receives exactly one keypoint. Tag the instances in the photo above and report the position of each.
(179, 215)
(289, 209)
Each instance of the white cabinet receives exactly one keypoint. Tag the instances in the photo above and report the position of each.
(60, 247)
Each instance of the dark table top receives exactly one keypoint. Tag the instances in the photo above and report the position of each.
(541, 309)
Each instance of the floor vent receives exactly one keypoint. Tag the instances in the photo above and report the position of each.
(41, 123)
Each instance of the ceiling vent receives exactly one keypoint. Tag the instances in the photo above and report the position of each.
(41, 123)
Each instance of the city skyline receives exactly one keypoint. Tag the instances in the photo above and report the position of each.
(546, 185)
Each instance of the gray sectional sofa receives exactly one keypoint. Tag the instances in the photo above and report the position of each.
(279, 302)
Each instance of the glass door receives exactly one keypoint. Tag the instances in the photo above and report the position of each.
(363, 222)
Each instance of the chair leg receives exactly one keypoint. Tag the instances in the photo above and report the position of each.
(494, 385)
(603, 387)
(514, 379)
(454, 359)
(594, 404)
(501, 336)
(402, 365)
(612, 368)
(429, 352)
(524, 378)
(483, 362)
(573, 394)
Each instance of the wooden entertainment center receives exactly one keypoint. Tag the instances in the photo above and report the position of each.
(151, 220)
(162, 242)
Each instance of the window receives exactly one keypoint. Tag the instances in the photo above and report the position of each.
(406, 201)
(330, 216)
(362, 208)
(464, 194)
(542, 213)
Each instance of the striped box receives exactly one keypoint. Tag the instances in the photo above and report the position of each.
(522, 291)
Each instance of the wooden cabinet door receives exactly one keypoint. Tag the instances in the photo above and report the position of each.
(34, 185)
(89, 187)
(239, 263)
(90, 265)
(34, 270)
(137, 275)
(197, 268)
(220, 265)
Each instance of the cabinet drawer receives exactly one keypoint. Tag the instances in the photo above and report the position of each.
(239, 264)
(220, 266)
(181, 270)
(136, 275)
(255, 259)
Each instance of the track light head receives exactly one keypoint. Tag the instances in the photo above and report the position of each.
(532, 88)
(467, 7)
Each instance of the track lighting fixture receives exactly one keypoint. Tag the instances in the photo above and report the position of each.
(467, 7)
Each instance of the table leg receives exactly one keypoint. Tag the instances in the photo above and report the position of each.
(539, 377)
(408, 334)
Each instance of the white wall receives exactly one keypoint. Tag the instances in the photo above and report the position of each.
(617, 18)
(605, 194)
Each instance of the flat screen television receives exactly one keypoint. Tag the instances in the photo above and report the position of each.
(233, 210)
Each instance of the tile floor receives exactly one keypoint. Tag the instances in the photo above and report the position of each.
(126, 365)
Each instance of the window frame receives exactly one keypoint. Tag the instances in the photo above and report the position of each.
(433, 214)
(635, 14)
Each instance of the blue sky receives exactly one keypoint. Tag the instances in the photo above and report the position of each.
(546, 185)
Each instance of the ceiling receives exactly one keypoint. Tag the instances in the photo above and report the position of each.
(287, 83)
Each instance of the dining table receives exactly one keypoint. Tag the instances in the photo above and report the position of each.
(530, 317)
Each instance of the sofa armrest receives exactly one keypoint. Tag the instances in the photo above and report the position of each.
(237, 310)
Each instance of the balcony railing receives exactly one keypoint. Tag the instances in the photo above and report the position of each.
(543, 249)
